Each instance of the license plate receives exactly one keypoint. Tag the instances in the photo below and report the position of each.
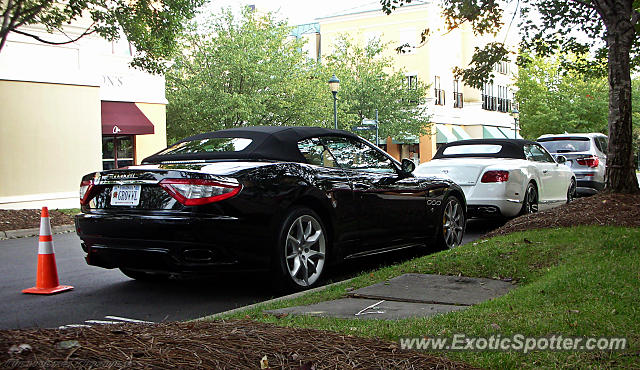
(125, 195)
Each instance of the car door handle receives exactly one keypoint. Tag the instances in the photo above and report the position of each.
(545, 171)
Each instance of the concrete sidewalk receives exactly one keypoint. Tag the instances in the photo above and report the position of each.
(408, 295)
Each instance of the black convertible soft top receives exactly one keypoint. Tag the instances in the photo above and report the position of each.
(278, 143)
(511, 148)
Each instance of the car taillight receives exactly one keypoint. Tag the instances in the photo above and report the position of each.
(495, 176)
(194, 192)
(589, 161)
(85, 191)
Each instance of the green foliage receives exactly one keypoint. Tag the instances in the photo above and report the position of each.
(552, 28)
(152, 26)
(244, 71)
(482, 64)
(247, 71)
(553, 100)
(368, 82)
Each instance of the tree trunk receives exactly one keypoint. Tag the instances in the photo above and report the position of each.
(620, 175)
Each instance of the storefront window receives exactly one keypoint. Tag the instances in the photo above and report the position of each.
(117, 151)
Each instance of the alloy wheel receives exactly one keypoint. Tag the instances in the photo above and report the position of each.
(571, 193)
(305, 249)
(453, 224)
(531, 200)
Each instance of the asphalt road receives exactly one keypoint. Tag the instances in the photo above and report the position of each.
(100, 293)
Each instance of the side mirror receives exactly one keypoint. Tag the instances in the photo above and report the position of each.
(407, 166)
(561, 159)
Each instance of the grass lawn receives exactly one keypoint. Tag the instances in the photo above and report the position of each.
(69, 211)
(581, 281)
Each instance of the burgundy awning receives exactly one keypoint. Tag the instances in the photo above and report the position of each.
(120, 118)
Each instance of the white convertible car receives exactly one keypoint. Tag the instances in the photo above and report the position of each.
(503, 177)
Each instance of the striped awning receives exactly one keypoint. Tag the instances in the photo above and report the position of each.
(460, 133)
(492, 132)
(510, 133)
(444, 135)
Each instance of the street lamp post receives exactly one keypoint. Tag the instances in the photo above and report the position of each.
(334, 85)
(515, 115)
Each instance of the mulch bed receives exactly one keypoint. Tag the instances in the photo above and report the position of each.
(210, 345)
(13, 219)
(601, 209)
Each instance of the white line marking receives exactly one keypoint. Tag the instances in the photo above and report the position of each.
(128, 320)
(74, 326)
(102, 322)
(362, 311)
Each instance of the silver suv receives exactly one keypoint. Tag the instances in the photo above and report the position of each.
(586, 156)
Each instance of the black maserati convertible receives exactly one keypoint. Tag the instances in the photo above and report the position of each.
(287, 199)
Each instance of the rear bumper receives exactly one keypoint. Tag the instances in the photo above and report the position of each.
(174, 244)
(494, 199)
(494, 207)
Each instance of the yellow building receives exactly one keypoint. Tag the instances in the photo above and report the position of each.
(458, 111)
(67, 110)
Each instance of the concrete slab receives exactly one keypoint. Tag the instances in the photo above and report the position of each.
(347, 308)
(436, 289)
(23, 233)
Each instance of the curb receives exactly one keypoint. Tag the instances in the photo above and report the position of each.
(23, 233)
(283, 298)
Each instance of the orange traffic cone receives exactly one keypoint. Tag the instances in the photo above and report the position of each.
(47, 277)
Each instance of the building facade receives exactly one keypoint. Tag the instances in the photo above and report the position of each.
(458, 111)
(70, 109)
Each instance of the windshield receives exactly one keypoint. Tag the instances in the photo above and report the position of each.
(215, 144)
(565, 144)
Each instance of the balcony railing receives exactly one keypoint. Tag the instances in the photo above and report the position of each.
(458, 100)
(440, 96)
(504, 105)
(489, 102)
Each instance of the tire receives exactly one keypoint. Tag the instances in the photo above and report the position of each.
(530, 202)
(571, 192)
(451, 229)
(301, 250)
(144, 276)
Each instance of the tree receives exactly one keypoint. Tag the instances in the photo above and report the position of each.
(152, 26)
(552, 25)
(245, 71)
(551, 101)
(248, 71)
(369, 83)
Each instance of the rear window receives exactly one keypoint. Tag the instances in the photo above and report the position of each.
(565, 144)
(601, 143)
(472, 149)
(214, 144)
